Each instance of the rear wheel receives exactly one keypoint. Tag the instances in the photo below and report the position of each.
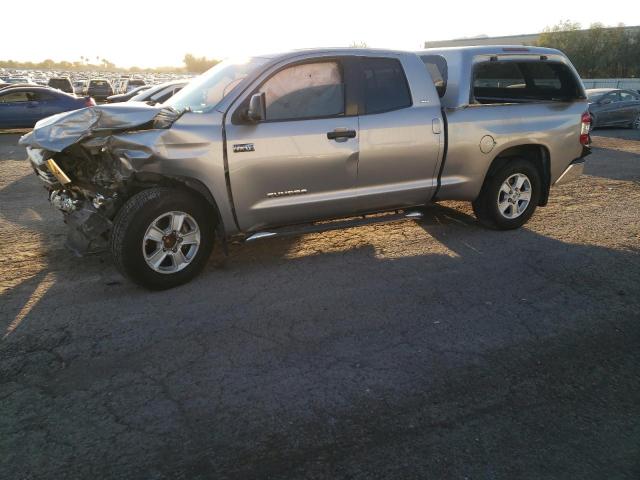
(509, 196)
(636, 123)
(162, 237)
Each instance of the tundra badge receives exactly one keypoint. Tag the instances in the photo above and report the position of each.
(286, 193)
(243, 147)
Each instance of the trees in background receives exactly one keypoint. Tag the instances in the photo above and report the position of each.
(195, 64)
(192, 64)
(598, 52)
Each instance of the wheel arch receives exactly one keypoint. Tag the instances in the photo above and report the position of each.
(535, 153)
(145, 180)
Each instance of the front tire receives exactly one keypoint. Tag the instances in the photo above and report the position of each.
(162, 237)
(509, 195)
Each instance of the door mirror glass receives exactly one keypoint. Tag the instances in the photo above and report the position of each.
(256, 112)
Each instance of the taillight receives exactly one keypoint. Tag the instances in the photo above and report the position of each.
(89, 102)
(584, 129)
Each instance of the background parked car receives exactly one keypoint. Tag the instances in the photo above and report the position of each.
(99, 89)
(22, 107)
(15, 85)
(614, 107)
(124, 97)
(61, 83)
(134, 83)
(159, 93)
(80, 87)
(19, 80)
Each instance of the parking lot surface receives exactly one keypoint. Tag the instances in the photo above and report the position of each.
(429, 349)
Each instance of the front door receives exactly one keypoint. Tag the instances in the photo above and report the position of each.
(300, 162)
(17, 109)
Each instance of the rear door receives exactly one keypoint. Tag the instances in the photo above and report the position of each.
(50, 104)
(301, 162)
(399, 136)
(630, 103)
(610, 112)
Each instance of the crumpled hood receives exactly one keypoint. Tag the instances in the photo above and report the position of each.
(60, 131)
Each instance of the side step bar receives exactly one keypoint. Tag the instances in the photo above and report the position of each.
(336, 225)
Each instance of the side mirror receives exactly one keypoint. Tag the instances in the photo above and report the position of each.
(257, 108)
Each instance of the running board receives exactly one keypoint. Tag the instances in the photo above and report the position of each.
(337, 225)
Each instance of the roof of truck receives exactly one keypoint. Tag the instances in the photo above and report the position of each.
(336, 50)
(495, 49)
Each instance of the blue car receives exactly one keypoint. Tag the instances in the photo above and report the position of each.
(22, 107)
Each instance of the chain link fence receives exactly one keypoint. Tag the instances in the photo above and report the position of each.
(625, 83)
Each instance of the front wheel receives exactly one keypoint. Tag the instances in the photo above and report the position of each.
(509, 196)
(162, 237)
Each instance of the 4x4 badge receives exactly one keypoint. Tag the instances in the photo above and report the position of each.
(243, 147)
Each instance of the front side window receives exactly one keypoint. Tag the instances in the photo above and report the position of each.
(15, 97)
(628, 97)
(310, 90)
(385, 85)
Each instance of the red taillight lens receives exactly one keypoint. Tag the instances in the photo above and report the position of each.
(89, 102)
(584, 129)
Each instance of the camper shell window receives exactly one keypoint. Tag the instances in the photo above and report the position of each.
(523, 81)
(436, 65)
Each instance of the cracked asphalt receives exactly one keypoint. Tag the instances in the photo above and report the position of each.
(431, 349)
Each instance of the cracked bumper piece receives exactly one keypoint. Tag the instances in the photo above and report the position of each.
(87, 231)
(573, 171)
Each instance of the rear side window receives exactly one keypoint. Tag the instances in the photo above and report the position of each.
(437, 67)
(526, 81)
(629, 97)
(310, 90)
(41, 96)
(385, 85)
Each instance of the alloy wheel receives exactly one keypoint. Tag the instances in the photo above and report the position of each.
(514, 196)
(171, 242)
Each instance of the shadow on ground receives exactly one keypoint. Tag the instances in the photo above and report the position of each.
(434, 349)
(509, 355)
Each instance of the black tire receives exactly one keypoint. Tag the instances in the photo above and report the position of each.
(485, 206)
(130, 226)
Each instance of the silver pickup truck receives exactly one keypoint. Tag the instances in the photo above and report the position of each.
(269, 145)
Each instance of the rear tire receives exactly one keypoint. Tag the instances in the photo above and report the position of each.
(162, 237)
(509, 195)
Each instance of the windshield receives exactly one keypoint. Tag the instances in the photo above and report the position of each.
(203, 93)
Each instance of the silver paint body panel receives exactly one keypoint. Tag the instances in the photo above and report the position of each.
(555, 126)
(394, 161)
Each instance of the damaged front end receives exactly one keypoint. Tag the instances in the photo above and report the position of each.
(86, 162)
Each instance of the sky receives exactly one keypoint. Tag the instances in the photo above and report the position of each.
(160, 33)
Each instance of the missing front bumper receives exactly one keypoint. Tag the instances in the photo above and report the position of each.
(88, 231)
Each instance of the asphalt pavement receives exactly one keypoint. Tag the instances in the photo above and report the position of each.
(431, 350)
